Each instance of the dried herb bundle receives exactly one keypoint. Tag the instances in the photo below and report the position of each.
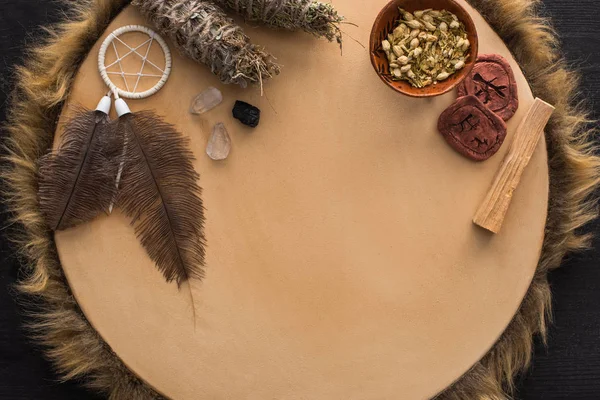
(204, 33)
(76, 182)
(159, 191)
(317, 18)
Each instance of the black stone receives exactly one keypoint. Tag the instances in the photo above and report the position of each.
(246, 113)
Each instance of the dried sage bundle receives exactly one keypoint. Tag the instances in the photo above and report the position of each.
(319, 19)
(204, 33)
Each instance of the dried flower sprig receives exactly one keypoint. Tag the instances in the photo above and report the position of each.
(426, 47)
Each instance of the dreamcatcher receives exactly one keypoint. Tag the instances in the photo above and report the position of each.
(138, 163)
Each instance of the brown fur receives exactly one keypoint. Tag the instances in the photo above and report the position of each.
(42, 85)
(75, 347)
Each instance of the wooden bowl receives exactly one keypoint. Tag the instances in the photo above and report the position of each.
(388, 19)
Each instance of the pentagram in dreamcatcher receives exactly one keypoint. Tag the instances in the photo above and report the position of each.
(134, 62)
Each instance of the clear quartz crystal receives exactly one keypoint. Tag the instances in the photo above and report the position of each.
(219, 144)
(206, 101)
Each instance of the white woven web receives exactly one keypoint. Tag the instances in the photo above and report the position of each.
(142, 51)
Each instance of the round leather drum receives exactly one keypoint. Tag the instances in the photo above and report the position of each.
(341, 261)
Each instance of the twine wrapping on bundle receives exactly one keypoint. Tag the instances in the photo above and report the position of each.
(204, 33)
(319, 19)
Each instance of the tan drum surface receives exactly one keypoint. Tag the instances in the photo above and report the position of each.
(342, 262)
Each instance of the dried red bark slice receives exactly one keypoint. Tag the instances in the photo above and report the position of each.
(472, 129)
(493, 82)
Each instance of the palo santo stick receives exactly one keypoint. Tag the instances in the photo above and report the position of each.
(492, 211)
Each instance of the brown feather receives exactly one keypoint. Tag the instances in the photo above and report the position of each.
(159, 191)
(76, 182)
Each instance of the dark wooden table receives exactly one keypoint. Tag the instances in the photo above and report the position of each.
(568, 369)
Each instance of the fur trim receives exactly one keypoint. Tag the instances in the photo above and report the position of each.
(574, 174)
(42, 85)
(76, 349)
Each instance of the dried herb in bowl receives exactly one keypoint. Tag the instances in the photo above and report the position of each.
(426, 47)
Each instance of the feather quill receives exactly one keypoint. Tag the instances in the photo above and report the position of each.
(160, 193)
(76, 182)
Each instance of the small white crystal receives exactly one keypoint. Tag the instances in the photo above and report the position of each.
(206, 101)
(219, 144)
